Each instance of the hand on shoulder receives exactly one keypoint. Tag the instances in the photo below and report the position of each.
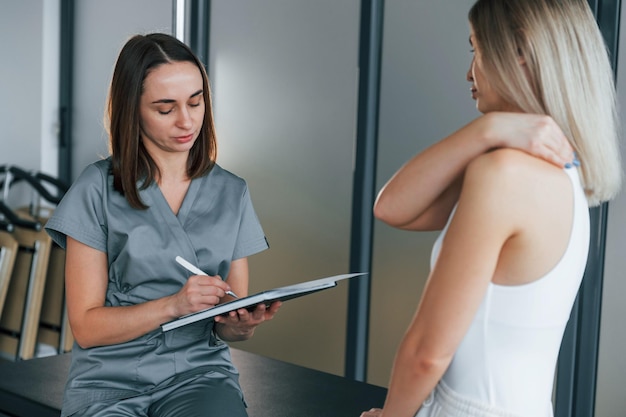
(535, 134)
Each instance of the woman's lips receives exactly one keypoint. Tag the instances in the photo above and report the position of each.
(184, 139)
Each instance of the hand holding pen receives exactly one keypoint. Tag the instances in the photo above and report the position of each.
(200, 292)
(197, 271)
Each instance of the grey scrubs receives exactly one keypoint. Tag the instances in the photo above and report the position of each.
(216, 224)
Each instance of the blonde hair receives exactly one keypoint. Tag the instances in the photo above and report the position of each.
(567, 75)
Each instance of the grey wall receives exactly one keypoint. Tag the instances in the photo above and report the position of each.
(102, 28)
(29, 87)
(284, 76)
(424, 97)
(21, 82)
(285, 87)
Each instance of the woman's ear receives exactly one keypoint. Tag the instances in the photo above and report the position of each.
(520, 57)
(523, 47)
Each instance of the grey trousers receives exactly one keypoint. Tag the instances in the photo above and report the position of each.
(202, 397)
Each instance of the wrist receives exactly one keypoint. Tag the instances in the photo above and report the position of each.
(170, 308)
(486, 133)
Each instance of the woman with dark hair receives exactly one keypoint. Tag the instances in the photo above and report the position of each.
(123, 222)
(508, 263)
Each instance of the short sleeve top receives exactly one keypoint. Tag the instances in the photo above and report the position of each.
(215, 225)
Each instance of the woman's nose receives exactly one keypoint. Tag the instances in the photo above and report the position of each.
(184, 118)
(470, 76)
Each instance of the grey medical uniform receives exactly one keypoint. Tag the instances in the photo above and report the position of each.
(216, 224)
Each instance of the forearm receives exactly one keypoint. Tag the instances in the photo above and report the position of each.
(428, 185)
(100, 326)
(412, 380)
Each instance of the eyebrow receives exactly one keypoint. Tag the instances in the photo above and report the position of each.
(169, 100)
(470, 40)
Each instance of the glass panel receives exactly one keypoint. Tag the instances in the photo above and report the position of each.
(424, 97)
(284, 83)
(29, 85)
(101, 31)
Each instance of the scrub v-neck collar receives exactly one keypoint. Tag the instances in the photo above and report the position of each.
(157, 198)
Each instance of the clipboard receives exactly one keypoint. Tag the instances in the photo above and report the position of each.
(269, 296)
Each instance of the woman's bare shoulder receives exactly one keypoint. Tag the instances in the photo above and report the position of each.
(514, 165)
(515, 178)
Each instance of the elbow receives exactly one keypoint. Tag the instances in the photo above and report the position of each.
(83, 343)
(424, 363)
(430, 365)
(83, 335)
(83, 340)
(385, 213)
(380, 211)
(390, 217)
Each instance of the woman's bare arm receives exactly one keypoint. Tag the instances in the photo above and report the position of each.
(94, 324)
(420, 196)
(493, 208)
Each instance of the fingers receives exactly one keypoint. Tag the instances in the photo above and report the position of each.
(556, 148)
(207, 285)
(275, 306)
(538, 135)
(373, 412)
(244, 317)
(200, 292)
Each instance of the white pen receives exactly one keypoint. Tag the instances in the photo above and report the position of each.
(195, 270)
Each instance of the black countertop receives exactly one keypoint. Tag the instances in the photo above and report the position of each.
(271, 388)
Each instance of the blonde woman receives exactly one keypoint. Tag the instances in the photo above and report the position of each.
(512, 204)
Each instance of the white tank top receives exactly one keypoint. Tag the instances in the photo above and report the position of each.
(508, 357)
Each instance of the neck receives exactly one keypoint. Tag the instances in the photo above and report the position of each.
(172, 168)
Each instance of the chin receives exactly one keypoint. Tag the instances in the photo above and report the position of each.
(486, 108)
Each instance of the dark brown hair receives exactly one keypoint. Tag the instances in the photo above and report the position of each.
(131, 163)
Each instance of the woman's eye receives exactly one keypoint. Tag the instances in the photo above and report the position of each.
(195, 103)
(165, 112)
